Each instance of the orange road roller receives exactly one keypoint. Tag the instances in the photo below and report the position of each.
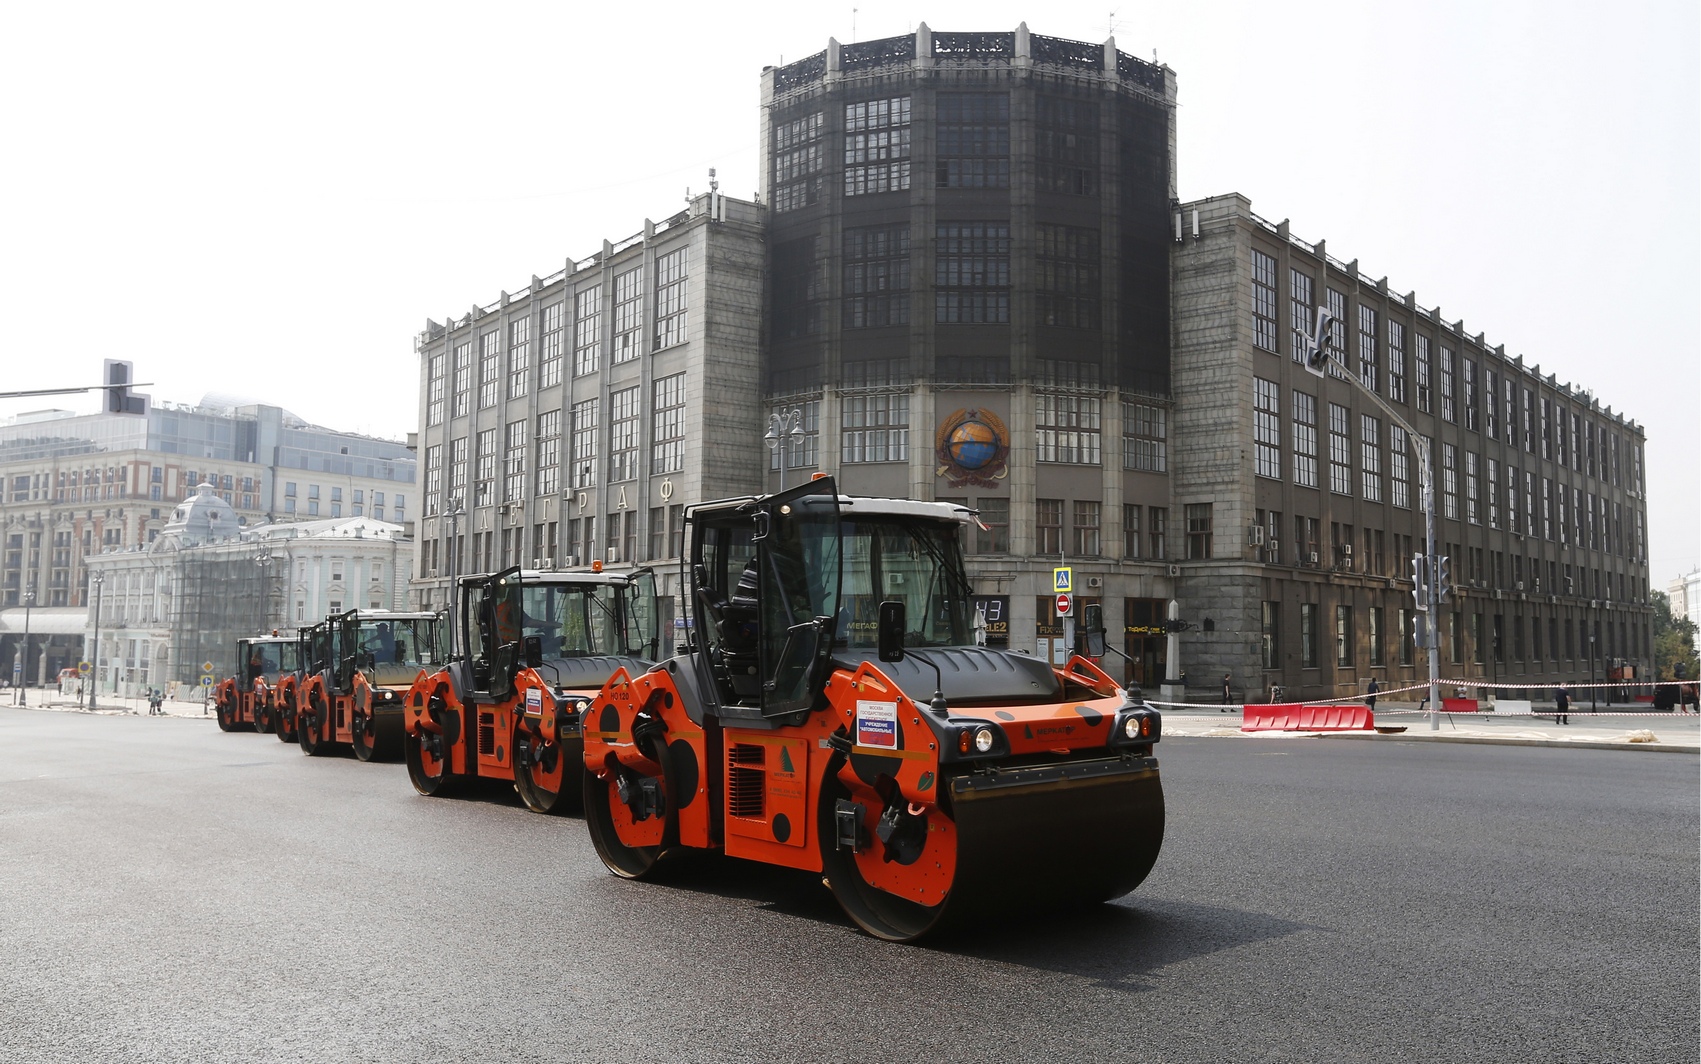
(245, 699)
(534, 648)
(365, 662)
(837, 711)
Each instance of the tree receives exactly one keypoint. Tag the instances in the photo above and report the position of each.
(1674, 642)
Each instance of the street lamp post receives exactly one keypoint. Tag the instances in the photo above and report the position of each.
(24, 658)
(453, 513)
(785, 428)
(97, 579)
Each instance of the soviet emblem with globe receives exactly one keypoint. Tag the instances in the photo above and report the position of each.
(973, 448)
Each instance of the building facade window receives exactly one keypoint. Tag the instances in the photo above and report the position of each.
(583, 473)
(994, 538)
(1468, 392)
(1420, 370)
(628, 315)
(1449, 482)
(1130, 530)
(1448, 410)
(1145, 437)
(875, 428)
(1270, 644)
(877, 146)
(972, 140)
(1066, 145)
(434, 389)
(876, 276)
(624, 419)
(587, 330)
(1267, 427)
(1308, 635)
(1343, 636)
(463, 384)
(667, 429)
(1157, 528)
(1066, 428)
(514, 462)
(1370, 457)
(550, 351)
(1337, 333)
(458, 453)
(1086, 528)
(489, 367)
(433, 480)
(1263, 301)
(1397, 361)
(1373, 634)
(1367, 353)
(1048, 526)
(971, 273)
(1302, 302)
(1198, 516)
(1399, 468)
(797, 163)
(670, 298)
(1340, 450)
(548, 453)
(1066, 276)
(1304, 440)
(484, 473)
(519, 356)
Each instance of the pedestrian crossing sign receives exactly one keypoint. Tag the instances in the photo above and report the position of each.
(1063, 579)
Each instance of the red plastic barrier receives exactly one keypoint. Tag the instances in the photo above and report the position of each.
(1459, 705)
(1294, 716)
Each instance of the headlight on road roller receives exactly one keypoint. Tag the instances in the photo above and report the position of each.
(980, 739)
(1131, 727)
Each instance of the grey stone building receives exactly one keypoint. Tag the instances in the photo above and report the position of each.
(574, 420)
(968, 259)
(1297, 497)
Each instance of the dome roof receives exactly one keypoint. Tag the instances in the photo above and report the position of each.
(201, 518)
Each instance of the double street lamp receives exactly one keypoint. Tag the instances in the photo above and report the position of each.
(97, 580)
(785, 431)
(24, 653)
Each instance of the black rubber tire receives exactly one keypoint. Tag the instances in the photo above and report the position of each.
(431, 786)
(875, 911)
(363, 728)
(627, 862)
(227, 719)
(263, 719)
(540, 799)
(285, 724)
(307, 727)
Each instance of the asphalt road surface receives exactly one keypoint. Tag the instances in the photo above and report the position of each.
(173, 893)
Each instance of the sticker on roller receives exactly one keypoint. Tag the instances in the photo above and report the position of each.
(534, 700)
(877, 724)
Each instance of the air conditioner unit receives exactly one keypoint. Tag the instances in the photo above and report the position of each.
(1255, 535)
(1313, 557)
(1538, 587)
(548, 563)
(431, 574)
(1095, 581)
(570, 560)
(1520, 586)
(894, 579)
(1346, 550)
(613, 555)
(1275, 548)
(1175, 570)
(1497, 594)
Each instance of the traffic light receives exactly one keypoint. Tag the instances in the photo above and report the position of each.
(1443, 579)
(1317, 351)
(119, 376)
(1420, 583)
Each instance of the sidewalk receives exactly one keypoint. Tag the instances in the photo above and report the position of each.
(1621, 728)
(115, 705)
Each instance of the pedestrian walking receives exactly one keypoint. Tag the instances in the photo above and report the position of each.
(1371, 694)
(1561, 705)
(1225, 692)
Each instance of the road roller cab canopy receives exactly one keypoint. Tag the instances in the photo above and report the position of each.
(268, 657)
(578, 626)
(390, 647)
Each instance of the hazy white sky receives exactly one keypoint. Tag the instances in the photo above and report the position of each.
(271, 200)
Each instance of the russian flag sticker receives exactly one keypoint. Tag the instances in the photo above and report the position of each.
(877, 724)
